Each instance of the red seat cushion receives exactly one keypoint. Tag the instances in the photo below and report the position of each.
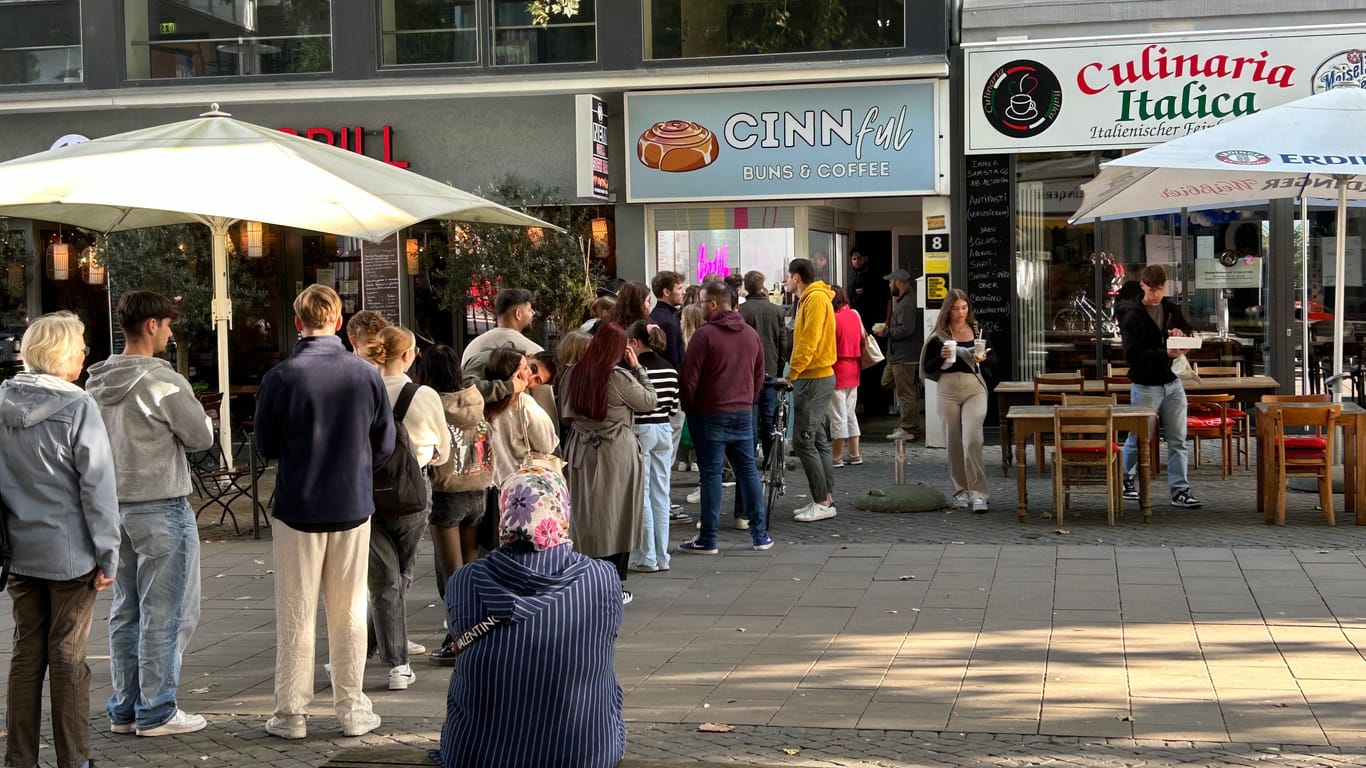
(1206, 422)
(1308, 442)
(1234, 413)
(1202, 409)
(1301, 454)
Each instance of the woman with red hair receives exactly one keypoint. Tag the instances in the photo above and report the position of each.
(602, 393)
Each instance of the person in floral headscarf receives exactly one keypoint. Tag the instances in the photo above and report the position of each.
(537, 624)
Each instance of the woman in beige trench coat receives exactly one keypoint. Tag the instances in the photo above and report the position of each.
(606, 479)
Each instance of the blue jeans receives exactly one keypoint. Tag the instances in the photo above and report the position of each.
(717, 437)
(1169, 400)
(155, 610)
(656, 449)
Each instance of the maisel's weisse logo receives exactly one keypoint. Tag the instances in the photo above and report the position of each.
(677, 146)
(1242, 157)
(1341, 67)
(1022, 99)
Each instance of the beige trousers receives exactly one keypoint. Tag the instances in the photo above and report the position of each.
(963, 403)
(335, 564)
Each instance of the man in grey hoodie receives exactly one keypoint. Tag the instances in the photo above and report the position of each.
(153, 418)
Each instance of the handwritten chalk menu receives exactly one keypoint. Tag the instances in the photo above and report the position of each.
(379, 274)
(987, 230)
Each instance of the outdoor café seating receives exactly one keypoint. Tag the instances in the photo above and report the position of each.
(1086, 457)
(1208, 417)
(1302, 455)
(1049, 389)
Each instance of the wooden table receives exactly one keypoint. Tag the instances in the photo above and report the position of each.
(1028, 420)
(1013, 394)
(1352, 420)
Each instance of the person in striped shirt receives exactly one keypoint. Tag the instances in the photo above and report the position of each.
(654, 430)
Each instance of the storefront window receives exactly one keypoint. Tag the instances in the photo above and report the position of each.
(564, 39)
(427, 32)
(700, 253)
(40, 42)
(1068, 276)
(687, 29)
(217, 38)
(1323, 240)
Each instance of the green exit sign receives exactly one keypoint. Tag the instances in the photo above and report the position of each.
(168, 27)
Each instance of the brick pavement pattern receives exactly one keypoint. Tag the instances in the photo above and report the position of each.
(895, 640)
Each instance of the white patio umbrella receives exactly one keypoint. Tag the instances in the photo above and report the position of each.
(216, 171)
(1309, 148)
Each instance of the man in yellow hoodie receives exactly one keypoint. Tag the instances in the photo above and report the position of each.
(812, 371)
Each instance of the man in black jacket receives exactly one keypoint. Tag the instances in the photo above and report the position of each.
(769, 321)
(325, 414)
(1145, 325)
(905, 335)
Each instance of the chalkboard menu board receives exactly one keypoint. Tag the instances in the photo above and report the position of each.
(989, 259)
(379, 269)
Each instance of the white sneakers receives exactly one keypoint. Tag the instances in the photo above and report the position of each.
(813, 512)
(960, 500)
(416, 649)
(361, 725)
(696, 496)
(180, 722)
(293, 727)
(401, 677)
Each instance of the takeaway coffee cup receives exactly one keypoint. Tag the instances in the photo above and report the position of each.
(952, 346)
(979, 347)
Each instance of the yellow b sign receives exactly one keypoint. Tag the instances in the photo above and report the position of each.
(936, 287)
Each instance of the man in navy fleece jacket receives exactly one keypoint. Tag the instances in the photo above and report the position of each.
(325, 415)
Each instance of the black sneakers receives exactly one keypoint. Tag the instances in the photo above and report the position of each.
(1183, 498)
(1130, 490)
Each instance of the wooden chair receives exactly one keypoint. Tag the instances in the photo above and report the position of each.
(1069, 399)
(1321, 397)
(1086, 456)
(1208, 416)
(1242, 420)
(1116, 370)
(1049, 389)
(1303, 456)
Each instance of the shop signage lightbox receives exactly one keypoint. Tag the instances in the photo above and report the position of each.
(591, 172)
(1142, 90)
(861, 140)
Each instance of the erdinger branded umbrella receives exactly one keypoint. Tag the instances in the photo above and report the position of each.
(216, 171)
(1310, 148)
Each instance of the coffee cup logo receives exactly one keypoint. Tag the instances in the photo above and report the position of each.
(1022, 99)
(677, 146)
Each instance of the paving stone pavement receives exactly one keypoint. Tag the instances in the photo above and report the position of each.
(1203, 638)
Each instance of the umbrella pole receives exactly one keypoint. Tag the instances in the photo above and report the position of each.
(1306, 350)
(222, 320)
(1339, 287)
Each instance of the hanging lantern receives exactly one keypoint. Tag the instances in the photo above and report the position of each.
(255, 235)
(59, 259)
(92, 264)
(411, 252)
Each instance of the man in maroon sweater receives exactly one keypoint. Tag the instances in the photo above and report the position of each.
(723, 372)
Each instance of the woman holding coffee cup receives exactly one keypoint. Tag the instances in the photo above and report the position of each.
(954, 356)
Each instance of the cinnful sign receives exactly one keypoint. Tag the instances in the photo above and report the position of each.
(353, 138)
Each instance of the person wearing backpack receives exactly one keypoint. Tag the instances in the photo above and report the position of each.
(396, 531)
(459, 482)
(324, 414)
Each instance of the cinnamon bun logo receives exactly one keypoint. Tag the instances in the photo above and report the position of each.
(677, 146)
(1022, 99)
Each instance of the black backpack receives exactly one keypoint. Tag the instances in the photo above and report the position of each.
(400, 488)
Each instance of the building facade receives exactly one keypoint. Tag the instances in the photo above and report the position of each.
(1048, 92)
(470, 92)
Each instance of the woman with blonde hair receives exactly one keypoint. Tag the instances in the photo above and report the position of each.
(690, 319)
(952, 358)
(394, 539)
(62, 511)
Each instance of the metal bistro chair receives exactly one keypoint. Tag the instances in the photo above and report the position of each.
(1303, 456)
(1086, 456)
(1049, 389)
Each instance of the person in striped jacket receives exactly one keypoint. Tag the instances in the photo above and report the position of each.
(654, 430)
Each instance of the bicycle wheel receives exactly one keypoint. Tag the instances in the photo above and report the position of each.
(1071, 320)
(773, 478)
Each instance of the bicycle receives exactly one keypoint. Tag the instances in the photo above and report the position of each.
(1082, 314)
(776, 459)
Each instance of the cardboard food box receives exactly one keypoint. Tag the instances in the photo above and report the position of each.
(1183, 342)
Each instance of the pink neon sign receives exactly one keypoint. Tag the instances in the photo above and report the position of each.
(712, 265)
